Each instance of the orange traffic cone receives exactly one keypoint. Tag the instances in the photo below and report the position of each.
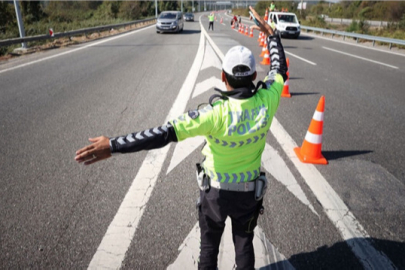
(246, 31)
(266, 59)
(264, 50)
(266, 16)
(221, 20)
(262, 41)
(251, 32)
(286, 88)
(310, 151)
(260, 37)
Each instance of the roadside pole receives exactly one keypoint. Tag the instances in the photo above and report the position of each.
(20, 22)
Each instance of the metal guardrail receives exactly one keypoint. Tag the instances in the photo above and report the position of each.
(358, 37)
(11, 41)
(349, 21)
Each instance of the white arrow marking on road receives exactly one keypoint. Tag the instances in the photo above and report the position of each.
(210, 58)
(266, 255)
(206, 85)
(271, 162)
(277, 167)
(111, 251)
(182, 150)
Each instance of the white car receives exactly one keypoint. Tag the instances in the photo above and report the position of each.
(286, 23)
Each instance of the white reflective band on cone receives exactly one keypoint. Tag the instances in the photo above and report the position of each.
(287, 82)
(313, 138)
(318, 116)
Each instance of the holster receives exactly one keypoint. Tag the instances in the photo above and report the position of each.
(203, 180)
(260, 186)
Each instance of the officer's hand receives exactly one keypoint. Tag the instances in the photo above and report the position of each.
(98, 150)
(264, 27)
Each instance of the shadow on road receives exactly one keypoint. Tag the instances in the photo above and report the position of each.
(305, 38)
(303, 93)
(184, 32)
(332, 155)
(339, 257)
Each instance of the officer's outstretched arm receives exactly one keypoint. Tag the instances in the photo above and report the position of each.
(102, 147)
(145, 140)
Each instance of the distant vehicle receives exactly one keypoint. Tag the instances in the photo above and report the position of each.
(286, 23)
(170, 21)
(189, 17)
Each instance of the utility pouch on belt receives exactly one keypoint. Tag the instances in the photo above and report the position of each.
(261, 186)
(202, 179)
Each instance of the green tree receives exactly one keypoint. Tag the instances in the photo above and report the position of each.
(168, 5)
(31, 11)
(7, 17)
(130, 10)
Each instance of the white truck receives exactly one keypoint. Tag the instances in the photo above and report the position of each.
(286, 23)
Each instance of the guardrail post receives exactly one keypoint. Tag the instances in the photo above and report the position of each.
(20, 23)
(390, 46)
(373, 43)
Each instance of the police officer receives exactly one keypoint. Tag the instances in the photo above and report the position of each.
(211, 18)
(235, 129)
(272, 6)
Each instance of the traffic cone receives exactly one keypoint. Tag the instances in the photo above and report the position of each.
(264, 50)
(246, 31)
(310, 151)
(266, 16)
(286, 88)
(221, 20)
(251, 32)
(266, 59)
(262, 41)
(260, 37)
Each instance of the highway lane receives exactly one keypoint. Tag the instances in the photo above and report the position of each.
(60, 211)
(363, 106)
(54, 212)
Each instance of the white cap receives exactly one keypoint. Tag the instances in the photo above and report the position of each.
(239, 56)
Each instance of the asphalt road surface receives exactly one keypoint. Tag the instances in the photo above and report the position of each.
(139, 209)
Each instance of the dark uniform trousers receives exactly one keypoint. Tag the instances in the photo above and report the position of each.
(243, 210)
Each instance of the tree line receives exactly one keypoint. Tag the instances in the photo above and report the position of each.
(72, 12)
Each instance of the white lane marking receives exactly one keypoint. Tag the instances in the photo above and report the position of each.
(271, 162)
(266, 255)
(276, 166)
(74, 50)
(206, 85)
(336, 210)
(359, 57)
(303, 59)
(116, 241)
(210, 58)
(184, 149)
(356, 45)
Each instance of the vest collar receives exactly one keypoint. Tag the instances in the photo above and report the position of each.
(239, 93)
